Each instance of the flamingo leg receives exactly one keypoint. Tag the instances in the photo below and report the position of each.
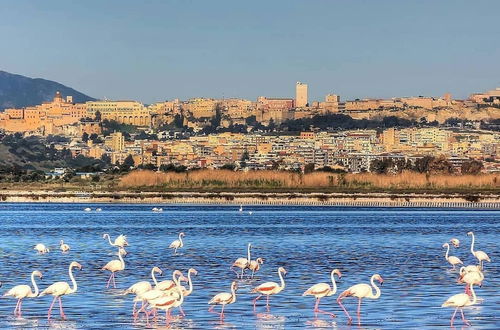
(134, 308)
(359, 311)
(17, 306)
(167, 317)
(109, 280)
(222, 313)
(50, 308)
(322, 311)
(463, 317)
(19, 310)
(267, 304)
(253, 273)
(255, 302)
(114, 282)
(339, 301)
(242, 272)
(453, 317)
(316, 305)
(237, 275)
(61, 309)
(182, 311)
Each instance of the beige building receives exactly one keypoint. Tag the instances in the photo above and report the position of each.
(200, 107)
(301, 95)
(116, 142)
(126, 112)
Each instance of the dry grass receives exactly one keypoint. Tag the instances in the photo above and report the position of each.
(276, 179)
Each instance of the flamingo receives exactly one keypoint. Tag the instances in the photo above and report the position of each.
(41, 248)
(23, 291)
(87, 209)
(241, 208)
(64, 247)
(254, 265)
(223, 299)
(242, 263)
(177, 244)
(168, 285)
(455, 242)
(60, 289)
(322, 290)
(470, 277)
(451, 259)
(142, 287)
(459, 301)
(120, 241)
(166, 303)
(114, 266)
(361, 291)
(269, 288)
(186, 292)
(480, 255)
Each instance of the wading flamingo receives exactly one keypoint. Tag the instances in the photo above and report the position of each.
(470, 277)
(64, 247)
(120, 241)
(114, 266)
(177, 244)
(321, 290)
(361, 291)
(459, 301)
(41, 248)
(168, 285)
(254, 265)
(167, 302)
(60, 289)
(451, 259)
(242, 263)
(23, 291)
(223, 299)
(185, 292)
(142, 287)
(480, 255)
(269, 288)
(455, 242)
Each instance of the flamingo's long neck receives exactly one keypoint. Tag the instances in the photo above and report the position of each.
(75, 286)
(109, 239)
(179, 290)
(282, 286)
(447, 251)
(180, 239)
(121, 259)
(248, 252)
(34, 286)
(472, 244)
(233, 293)
(190, 283)
(154, 277)
(474, 297)
(334, 289)
(377, 289)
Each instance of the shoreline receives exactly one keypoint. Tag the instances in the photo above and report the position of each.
(438, 200)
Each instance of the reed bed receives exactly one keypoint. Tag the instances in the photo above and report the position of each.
(278, 179)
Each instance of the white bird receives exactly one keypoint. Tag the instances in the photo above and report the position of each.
(142, 287)
(177, 244)
(41, 248)
(60, 289)
(242, 263)
(64, 247)
(87, 209)
(167, 302)
(120, 241)
(168, 285)
(269, 288)
(451, 259)
(114, 266)
(223, 299)
(459, 301)
(455, 242)
(322, 290)
(241, 208)
(254, 265)
(98, 209)
(470, 276)
(480, 255)
(23, 291)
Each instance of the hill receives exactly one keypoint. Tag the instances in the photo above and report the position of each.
(17, 91)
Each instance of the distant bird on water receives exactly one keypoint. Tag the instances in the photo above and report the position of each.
(23, 291)
(223, 299)
(455, 242)
(64, 247)
(41, 248)
(269, 288)
(177, 244)
(451, 259)
(361, 291)
(60, 289)
(322, 290)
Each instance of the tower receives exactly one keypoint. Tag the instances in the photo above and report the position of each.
(300, 95)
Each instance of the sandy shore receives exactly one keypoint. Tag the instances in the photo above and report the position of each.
(489, 201)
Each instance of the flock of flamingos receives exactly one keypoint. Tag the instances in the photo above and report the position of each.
(170, 294)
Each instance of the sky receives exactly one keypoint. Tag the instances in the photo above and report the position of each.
(160, 50)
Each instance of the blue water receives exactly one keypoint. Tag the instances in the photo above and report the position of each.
(402, 245)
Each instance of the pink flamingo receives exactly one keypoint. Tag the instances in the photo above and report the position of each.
(460, 300)
(23, 291)
(361, 291)
(322, 290)
(114, 266)
(269, 288)
(223, 299)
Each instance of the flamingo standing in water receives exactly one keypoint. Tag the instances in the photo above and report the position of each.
(470, 276)
(114, 266)
(451, 259)
(120, 241)
(254, 265)
(455, 242)
(185, 292)
(459, 301)
(223, 299)
(142, 287)
(60, 289)
(41, 248)
(361, 291)
(480, 255)
(63, 246)
(242, 263)
(168, 285)
(23, 291)
(167, 302)
(322, 290)
(269, 288)
(177, 244)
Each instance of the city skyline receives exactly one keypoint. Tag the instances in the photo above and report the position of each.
(355, 49)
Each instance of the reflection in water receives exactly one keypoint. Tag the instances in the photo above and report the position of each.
(404, 246)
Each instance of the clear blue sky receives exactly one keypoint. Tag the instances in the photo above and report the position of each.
(157, 50)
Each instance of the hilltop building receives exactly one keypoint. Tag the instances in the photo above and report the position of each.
(301, 95)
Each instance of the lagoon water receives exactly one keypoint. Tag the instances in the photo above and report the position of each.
(402, 245)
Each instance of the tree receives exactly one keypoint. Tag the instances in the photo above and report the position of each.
(381, 166)
(85, 137)
(97, 116)
(440, 165)
(472, 167)
(128, 162)
(422, 164)
(309, 168)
